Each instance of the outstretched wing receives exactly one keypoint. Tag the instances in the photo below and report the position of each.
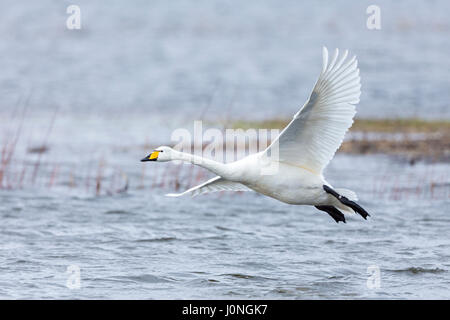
(213, 185)
(311, 139)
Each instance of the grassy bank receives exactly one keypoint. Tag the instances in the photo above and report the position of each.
(366, 125)
(413, 138)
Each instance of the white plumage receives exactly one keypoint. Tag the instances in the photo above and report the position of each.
(212, 185)
(304, 148)
(317, 130)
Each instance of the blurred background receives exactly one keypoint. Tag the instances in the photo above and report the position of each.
(79, 108)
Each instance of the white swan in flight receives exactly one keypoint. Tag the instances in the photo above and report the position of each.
(304, 148)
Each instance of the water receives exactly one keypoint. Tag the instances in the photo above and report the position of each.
(219, 58)
(135, 73)
(144, 245)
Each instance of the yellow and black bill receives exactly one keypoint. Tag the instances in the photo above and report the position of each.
(151, 157)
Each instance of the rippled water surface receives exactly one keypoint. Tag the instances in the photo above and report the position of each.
(144, 245)
(243, 59)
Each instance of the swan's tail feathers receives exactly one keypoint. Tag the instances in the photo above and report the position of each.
(349, 194)
(347, 198)
(333, 212)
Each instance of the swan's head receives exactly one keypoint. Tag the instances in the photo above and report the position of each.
(160, 154)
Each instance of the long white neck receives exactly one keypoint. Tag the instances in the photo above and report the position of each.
(218, 168)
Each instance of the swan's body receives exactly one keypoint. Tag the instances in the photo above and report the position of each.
(304, 149)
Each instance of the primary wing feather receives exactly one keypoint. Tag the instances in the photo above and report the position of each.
(311, 139)
(213, 185)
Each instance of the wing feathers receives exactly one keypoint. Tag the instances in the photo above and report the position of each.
(213, 185)
(317, 130)
(324, 59)
(333, 60)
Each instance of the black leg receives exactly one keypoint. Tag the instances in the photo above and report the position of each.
(347, 202)
(333, 212)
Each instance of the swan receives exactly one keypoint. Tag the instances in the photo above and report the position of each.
(304, 148)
